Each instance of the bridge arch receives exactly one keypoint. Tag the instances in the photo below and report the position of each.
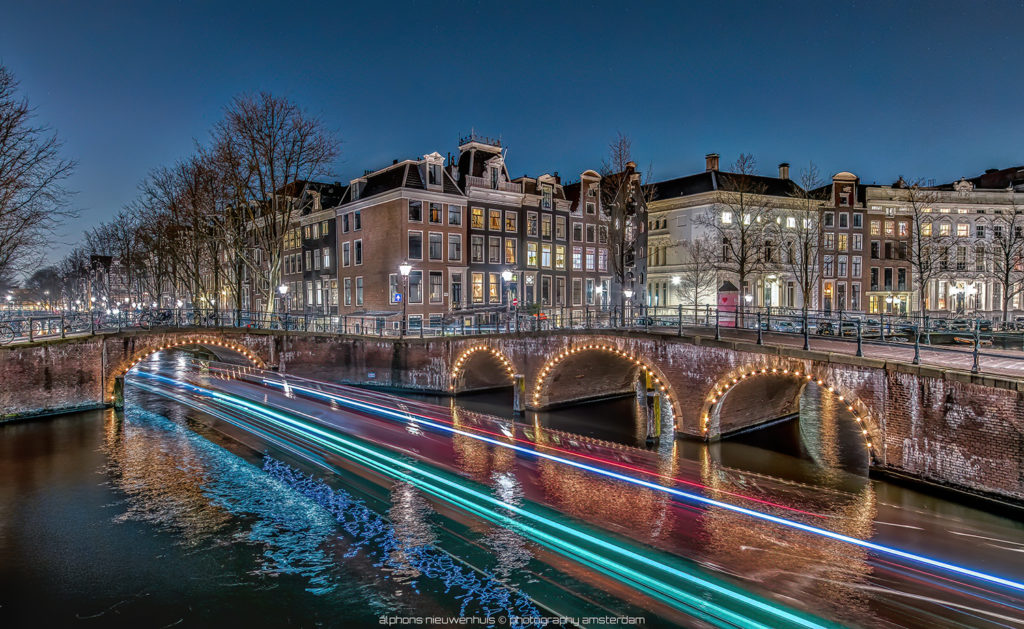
(793, 382)
(611, 377)
(222, 348)
(481, 367)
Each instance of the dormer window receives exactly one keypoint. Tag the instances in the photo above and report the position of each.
(433, 163)
(494, 177)
(547, 195)
(357, 188)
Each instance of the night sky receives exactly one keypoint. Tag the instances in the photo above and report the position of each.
(919, 89)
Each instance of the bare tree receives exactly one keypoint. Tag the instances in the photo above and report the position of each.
(44, 286)
(272, 144)
(33, 201)
(700, 271)
(929, 249)
(801, 238)
(1007, 252)
(74, 275)
(740, 221)
(119, 239)
(625, 194)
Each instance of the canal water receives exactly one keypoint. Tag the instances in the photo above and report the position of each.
(152, 518)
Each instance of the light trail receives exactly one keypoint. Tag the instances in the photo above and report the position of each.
(875, 547)
(632, 468)
(632, 568)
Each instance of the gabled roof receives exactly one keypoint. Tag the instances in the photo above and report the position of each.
(993, 179)
(714, 180)
(330, 193)
(401, 175)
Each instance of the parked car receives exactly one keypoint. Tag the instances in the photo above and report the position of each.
(984, 325)
(959, 325)
(787, 326)
(904, 326)
(825, 328)
(939, 325)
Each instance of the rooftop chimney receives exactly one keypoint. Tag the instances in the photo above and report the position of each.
(784, 170)
(711, 162)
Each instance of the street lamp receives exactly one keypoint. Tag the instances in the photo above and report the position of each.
(405, 268)
(283, 289)
(506, 276)
(628, 294)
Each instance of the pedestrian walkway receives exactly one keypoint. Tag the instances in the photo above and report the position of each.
(1001, 362)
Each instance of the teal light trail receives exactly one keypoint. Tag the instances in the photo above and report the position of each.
(712, 600)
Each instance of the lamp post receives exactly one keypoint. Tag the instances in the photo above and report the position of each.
(506, 277)
(283, 289)
(628, 294)
(405, 268)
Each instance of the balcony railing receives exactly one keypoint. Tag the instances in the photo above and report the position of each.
(484, 182)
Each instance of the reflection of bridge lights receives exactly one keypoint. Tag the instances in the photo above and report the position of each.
(720, 391)
(464, 357)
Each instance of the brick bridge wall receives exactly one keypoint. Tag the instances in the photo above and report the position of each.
(944, 426)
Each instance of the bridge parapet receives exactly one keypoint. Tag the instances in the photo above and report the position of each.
(938, 424)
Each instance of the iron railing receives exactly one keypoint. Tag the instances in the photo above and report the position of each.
(857, 330)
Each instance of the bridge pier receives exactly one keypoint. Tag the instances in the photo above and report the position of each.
(518, 393)
(118, 398)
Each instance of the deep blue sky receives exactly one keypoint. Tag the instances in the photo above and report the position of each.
(922, 89)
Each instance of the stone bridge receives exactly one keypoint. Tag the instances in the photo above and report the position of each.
(935, 424)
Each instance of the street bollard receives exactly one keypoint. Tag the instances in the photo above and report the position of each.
(860, 337)
(807, 332)
(917, 344)
(760, 338)
(718, 326)
(680, 319)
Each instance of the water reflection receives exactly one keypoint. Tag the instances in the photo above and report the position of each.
(180, 482)
(409, 514)
(510, 549)
(781, 557)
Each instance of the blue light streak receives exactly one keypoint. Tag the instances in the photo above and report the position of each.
(476, 502)
(407, 416)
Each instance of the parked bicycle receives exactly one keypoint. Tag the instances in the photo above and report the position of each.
(7, 333)
(151, 318)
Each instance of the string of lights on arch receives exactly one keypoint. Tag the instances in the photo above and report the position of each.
(723, 387)
(197, 341)
(566, 352)
(464, 357)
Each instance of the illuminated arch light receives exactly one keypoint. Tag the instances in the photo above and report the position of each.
(464, 357)
(721, 389)
(566, 352)
(244, 351)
